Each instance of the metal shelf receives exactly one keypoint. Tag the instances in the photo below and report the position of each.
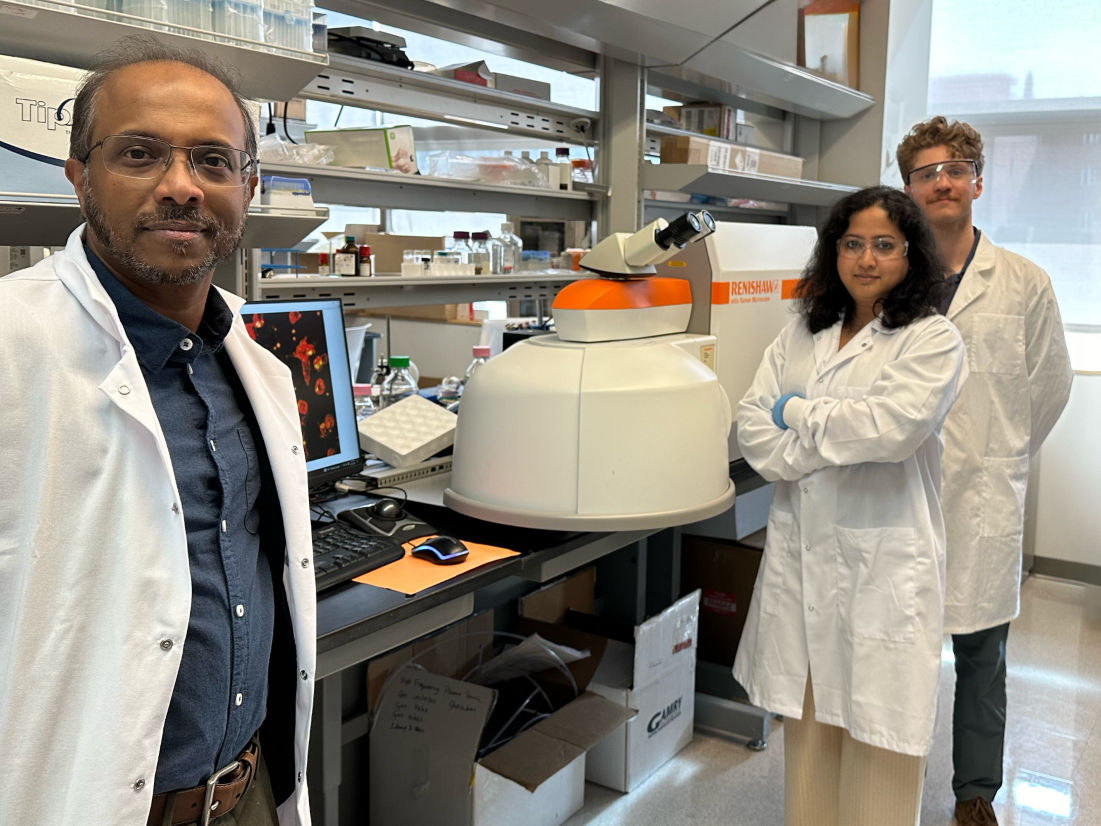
(367, 84)
(357, 187)
(729, 74)
(48, 222)
(395, 291)
(72, 35)
(703, 180)
(747, 215)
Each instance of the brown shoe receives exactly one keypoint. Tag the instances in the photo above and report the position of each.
(975, 812)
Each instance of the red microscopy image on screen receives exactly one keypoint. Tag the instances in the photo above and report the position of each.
(298, 340)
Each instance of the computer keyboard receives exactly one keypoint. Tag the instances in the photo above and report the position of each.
(341, 553)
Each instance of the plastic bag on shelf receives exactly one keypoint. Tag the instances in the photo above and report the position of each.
(503, 170)
(274, 149)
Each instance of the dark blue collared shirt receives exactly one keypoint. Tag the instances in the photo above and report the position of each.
(220, 694)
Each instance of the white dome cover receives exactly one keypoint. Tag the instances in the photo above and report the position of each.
(600, 436)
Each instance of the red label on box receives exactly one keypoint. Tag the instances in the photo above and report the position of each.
(470, 77)
(719, 603)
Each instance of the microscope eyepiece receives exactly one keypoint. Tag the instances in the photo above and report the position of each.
(679, 232)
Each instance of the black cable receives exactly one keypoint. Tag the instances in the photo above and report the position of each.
(271, 120)
(338, 114)
(285, 132)
(405, 496)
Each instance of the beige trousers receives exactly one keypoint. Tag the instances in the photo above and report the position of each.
(830, 779)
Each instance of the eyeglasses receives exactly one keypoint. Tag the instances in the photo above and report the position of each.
(146, 158)
(883, 249)
(957, 172)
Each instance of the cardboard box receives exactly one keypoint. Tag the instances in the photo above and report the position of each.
(383, 147)
(426, 312)
(477, 73)
(296, 109)
(724, 572)
(717, 155)
(744, 159)
(551, 603)
(776, 163)
(36, 99)
(657, 677)
(386, 250)
(714, 119)
(744, 133)
(450, 653)
(424, 766)
(522, 86)
(687, 149)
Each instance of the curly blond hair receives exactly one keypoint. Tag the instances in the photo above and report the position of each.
(962, 139)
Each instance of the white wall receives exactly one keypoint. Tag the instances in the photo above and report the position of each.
(1068, 517)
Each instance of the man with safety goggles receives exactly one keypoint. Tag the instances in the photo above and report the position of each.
(1005, 309)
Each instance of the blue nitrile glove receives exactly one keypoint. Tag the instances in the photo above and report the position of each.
(778, 409)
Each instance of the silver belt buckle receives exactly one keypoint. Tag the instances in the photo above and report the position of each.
(208, 799)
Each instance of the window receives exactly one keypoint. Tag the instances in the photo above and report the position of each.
(1014, 69)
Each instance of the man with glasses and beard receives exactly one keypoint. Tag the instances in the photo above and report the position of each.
(1005, 308)
(156, 582)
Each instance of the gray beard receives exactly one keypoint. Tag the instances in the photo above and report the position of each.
(224, 240)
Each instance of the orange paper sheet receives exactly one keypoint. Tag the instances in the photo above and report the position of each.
(412, 575)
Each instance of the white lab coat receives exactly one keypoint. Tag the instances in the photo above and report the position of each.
(852, 578)
(93, 552)
(1020, 381)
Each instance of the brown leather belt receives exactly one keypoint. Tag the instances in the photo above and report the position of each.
(216, 797)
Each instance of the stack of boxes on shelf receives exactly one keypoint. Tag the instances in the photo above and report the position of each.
(723, 122)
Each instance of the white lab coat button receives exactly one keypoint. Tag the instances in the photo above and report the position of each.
(807, 547)
(821, 380)
(240, 698)
(865, 344)
(175, 508)
(139, 784)
(300, 777)
(240, 610)
(806, 490)
(186, 344)
(810, 608)
(305, 563)
(305, 676)
(166, 645)
(124, 389)
(294, 449)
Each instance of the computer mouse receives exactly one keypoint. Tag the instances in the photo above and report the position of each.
(441, 550)
(386, 509)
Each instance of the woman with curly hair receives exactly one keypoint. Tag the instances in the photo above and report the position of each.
(843, 634)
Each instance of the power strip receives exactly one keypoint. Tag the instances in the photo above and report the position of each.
(387, 476)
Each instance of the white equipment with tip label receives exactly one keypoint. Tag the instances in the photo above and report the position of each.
(618, 420)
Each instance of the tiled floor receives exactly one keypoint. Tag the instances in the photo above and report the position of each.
(1053, 741)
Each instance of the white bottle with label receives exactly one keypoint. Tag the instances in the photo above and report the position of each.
(549, 169)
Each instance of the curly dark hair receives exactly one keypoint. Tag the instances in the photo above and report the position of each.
(823, 299)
